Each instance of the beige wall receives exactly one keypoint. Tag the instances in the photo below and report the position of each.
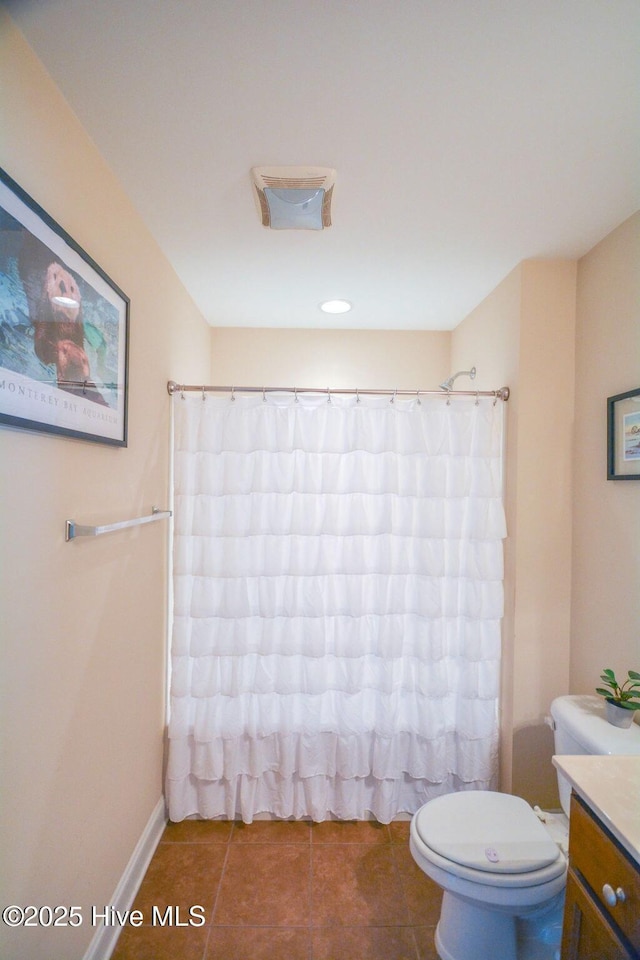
(83, 624)
(489, 339)
(330, 358)
(523, 335)
(605, 630)
(543, 519)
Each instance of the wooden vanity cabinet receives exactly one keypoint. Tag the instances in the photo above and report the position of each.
(602, 905)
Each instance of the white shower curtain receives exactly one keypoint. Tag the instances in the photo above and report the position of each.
(337, 603)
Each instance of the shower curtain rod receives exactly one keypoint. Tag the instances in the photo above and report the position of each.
(501, 394)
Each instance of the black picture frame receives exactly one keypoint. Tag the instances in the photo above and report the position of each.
(623, 436)
(64, 329)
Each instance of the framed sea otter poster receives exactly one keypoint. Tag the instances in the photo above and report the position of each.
(64, 329)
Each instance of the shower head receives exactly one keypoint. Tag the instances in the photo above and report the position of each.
(448, 384)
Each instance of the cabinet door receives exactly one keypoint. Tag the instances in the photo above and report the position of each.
(586, 933)
(597, 860)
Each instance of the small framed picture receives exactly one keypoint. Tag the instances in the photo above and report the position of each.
(623, 436)
(64, 329)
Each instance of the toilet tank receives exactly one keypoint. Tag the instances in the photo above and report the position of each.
(580, 727)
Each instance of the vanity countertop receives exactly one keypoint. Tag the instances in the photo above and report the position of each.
(610, 785)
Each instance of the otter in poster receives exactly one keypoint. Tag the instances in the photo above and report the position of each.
(55, 310)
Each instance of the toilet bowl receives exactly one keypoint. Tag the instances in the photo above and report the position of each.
(496, 863)
(503, 870)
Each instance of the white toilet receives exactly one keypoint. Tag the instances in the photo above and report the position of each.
(503, 869)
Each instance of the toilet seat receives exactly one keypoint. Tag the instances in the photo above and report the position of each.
(487, 837)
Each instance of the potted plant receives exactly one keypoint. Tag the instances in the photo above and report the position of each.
(621, 699)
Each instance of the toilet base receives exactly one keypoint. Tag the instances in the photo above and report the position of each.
(467, 931)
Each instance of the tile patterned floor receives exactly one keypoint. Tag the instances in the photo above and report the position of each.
(275, 890)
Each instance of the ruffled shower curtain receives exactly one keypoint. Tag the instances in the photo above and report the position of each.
(337, 603)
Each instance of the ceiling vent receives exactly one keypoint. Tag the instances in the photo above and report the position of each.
(294, 198)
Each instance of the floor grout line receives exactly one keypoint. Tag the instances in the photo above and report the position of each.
(212, 925)
(310, 947)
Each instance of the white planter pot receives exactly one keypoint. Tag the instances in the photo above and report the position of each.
(618, 716)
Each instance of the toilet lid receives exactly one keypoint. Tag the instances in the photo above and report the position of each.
(488, 831)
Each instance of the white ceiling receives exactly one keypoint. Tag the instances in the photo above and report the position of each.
(467, 135)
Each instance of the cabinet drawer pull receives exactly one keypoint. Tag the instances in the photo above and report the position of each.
(611, 896)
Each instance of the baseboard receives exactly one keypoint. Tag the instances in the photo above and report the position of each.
(105, 938)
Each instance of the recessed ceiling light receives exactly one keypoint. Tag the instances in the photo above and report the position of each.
(335, 306)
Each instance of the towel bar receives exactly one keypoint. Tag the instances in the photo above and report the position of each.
(74, 529)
